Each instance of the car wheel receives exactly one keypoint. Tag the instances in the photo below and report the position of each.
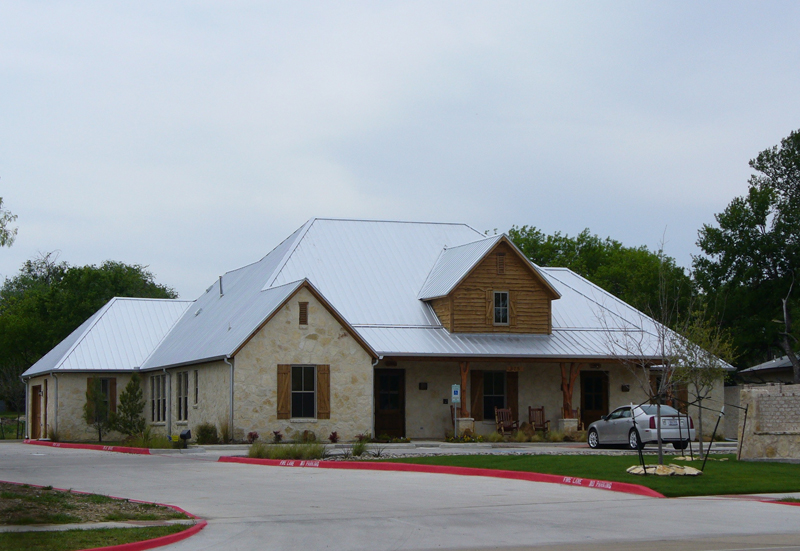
(593, 439)
(682, 445)
(633, 440)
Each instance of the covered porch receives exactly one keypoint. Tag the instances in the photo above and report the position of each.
(412, 395)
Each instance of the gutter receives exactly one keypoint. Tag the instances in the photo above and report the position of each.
(27, 421)
(169, 403)
(230, 410)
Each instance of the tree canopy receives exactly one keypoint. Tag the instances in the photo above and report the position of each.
(637, 275)
(751, 256)
(47, 300)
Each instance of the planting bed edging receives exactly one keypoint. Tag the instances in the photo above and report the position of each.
(97, 447)
(136, 545)
(624, 487)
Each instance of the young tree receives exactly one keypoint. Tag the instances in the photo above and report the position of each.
(7, 234)
(750, 258)
(128, 418)
(700, 355)
(96, 410)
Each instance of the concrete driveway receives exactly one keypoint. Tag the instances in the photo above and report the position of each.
(266, 508)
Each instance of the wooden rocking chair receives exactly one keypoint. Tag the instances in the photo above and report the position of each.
(504, 421)
(537, 420)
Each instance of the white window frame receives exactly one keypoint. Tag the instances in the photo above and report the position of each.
(499, 309)
(158, 398)
(182, 395)
(293, 392)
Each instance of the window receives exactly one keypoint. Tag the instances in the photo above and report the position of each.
(303, 391)
(106, 397)
(183, 395)
(158, 398)
(501, 263)
(501, 307)
(494, 392)
(196, 388)
(303, 313)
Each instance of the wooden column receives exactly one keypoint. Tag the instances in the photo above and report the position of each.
(464, 367)
(568, 385)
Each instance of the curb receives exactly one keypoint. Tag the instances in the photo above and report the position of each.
(96, 447)
(137, 545)
(623, 487)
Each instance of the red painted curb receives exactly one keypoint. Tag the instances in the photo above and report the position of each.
(137, 545)
(624, 487)
(97, 447)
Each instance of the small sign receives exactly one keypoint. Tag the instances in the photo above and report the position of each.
(455, 397)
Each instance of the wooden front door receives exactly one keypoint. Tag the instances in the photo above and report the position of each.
(390, 402)
(594, 396)
(36, 412)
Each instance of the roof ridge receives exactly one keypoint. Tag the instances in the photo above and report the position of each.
(155, 299)
(164, 336)
(277, 272)
(328, 219)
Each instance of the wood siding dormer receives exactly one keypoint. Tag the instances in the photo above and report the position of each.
(467, 308)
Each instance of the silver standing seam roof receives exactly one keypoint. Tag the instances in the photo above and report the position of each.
(376, 276)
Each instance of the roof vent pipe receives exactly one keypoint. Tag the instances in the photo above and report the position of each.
(220, 286)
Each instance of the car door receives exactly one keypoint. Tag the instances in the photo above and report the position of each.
(607, 427)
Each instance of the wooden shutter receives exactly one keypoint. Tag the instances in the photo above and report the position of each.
(284, 391)
(303, 313)
(501, 263)
(476, 393)
(323, 392)
(112, 395)
(512, 308)
(490, 307)
(512, 390)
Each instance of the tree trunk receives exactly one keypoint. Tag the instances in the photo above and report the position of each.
(658, 431)
(786, 345)
(700, 423)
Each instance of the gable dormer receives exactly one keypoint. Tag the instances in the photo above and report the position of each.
(489, 287)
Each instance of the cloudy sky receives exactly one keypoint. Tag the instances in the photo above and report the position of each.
(192, 137)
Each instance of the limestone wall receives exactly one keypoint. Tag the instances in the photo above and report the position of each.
(322, 341)
(772, 430)
(732, 414)
(70, 392)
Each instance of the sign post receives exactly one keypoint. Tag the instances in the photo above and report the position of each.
(455, 399)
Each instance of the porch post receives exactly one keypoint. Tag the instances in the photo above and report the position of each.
(567, 386)
(464, 367)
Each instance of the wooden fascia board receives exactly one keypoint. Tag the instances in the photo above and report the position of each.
(328, 306)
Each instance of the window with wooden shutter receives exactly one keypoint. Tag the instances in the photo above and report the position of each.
(494, 392)
(476, 391)
(303, 313)
(501, 263)
(489, 307)
(284, 391)
(112, 395)
(323, 392)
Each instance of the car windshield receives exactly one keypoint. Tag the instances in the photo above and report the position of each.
(651, 409)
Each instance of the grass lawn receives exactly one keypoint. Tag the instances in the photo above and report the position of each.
(719, 477)
(70, 540)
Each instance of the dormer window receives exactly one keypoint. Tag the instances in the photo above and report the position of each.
(501, 307)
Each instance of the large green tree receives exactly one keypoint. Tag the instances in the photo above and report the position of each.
(751, 257)
(47, 300)
(650, 281)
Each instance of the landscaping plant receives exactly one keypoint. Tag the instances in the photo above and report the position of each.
(128, 418)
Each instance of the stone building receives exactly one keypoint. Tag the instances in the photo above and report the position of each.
(360, 326)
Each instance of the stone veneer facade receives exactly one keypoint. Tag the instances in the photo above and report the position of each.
(772, 429)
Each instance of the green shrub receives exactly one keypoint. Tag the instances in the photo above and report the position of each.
(519, 436)
(149, 440)
(495, 437)
(206, 433)
(554, 436)
(359, 447)
(224, 431)
(537, 437)
(309, 450)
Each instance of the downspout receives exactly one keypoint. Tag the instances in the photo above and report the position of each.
(55, 405)
(230, 420)
(169, 403)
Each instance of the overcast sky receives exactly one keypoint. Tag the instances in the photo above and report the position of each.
(192, 137)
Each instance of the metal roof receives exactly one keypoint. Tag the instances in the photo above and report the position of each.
(372, 274)
(452, 265)
(778, 363)
(118, 337)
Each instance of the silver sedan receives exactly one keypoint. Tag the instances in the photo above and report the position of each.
(636, 426)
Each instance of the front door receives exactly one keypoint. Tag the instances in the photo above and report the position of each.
(390, 402)
(594, 396)
(36, 412)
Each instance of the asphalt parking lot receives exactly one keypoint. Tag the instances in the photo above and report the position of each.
(277, 508)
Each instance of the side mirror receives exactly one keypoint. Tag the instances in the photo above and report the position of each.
(605, 417)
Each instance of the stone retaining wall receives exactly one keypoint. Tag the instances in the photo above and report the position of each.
(773, 422)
